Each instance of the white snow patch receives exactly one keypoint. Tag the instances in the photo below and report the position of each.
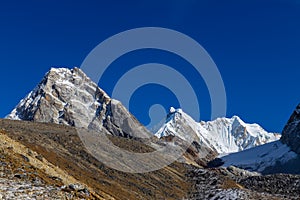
(257, 159)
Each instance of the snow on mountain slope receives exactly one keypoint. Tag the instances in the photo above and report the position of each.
(223, 134)
(261, 157)
(281, 156)
(68, 96)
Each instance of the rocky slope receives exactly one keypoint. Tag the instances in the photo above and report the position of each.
(61, 147)
(26, 174)
(291, 132)
(234, 184)
(225, 135)
(69, 97)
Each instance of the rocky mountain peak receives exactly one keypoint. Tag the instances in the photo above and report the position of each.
(291, 131)
(68, 96)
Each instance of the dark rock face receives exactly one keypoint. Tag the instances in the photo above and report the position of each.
(291, 132)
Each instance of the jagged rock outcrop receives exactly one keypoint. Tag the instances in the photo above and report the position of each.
(291, 131)
(69, 97)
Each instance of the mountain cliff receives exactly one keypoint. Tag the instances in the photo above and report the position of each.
(68, 96)
(291, 131)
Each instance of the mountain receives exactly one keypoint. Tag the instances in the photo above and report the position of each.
(68, 96)
(291, 131)
(282, 156)
(51, 157)
(224, 135)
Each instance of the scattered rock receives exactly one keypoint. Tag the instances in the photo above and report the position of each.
(39, 157)
(77, 188)
(278, 184)
(20, 176)
(26, 159)
(55, 178)
(19, 189)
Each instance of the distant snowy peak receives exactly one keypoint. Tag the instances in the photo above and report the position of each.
(279, 156)
(178, 120)
(225, 135)
(244, 135)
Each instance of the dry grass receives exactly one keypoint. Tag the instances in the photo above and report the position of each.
(231, 184)
(67, 158)
(23, 159)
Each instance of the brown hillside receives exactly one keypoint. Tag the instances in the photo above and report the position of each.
(61, 154)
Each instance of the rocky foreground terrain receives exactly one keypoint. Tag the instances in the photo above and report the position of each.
(48, 161)
(59, 160)
(25, 174)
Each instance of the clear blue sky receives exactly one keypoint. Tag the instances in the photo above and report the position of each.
(255, 44)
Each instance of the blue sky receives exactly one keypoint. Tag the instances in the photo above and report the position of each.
(255, 44)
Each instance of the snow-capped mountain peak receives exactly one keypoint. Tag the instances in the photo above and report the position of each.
(70, 97)
(225, 135)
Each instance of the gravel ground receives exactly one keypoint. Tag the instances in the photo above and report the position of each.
(25, 190)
